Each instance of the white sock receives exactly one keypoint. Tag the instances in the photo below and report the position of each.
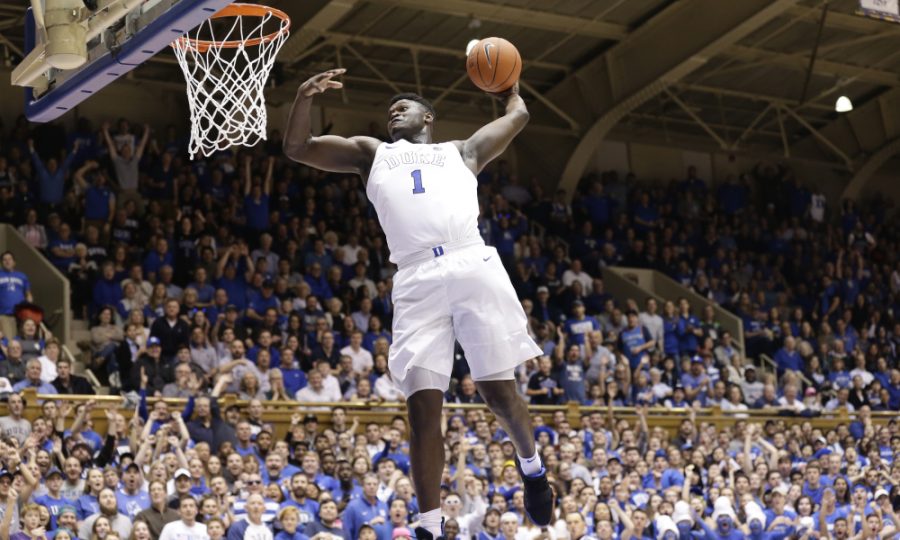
(531, 466)
(431, 522)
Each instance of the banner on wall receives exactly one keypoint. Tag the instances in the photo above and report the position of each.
(888, 10)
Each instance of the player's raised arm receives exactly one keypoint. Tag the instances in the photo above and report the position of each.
(491, 140)
(328, 152)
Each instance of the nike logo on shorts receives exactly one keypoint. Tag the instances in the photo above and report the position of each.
(486, 259)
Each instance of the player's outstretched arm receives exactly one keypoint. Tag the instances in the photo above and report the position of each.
(328, 152)
(492, 139)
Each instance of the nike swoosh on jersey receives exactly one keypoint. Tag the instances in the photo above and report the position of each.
(486, 259)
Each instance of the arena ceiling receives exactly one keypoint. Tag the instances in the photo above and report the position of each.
(755, 76)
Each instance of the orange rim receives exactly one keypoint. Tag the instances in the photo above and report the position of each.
(238, 10)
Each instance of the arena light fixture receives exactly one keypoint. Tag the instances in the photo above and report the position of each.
(843, 104)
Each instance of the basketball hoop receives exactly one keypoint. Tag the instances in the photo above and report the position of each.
(226, 77)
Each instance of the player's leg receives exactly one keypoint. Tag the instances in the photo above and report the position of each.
(502, 397)
(426, 455)
(492, 329)
(425, 389)
(423, 336)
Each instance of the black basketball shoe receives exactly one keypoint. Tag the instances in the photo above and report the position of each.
(538, 496)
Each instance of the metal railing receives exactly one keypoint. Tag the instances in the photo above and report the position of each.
(280, 413)
(769, 366)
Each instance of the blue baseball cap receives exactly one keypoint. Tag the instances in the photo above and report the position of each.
(153, 342)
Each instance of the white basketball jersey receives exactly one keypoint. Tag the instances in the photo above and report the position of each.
(424, 195)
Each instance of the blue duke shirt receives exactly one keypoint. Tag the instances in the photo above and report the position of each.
(361, 511)
(13, 286)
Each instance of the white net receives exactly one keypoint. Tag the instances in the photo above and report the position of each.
(226, 62)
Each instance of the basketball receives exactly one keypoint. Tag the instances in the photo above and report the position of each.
(494, 64)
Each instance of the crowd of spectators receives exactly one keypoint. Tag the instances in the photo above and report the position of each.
(245, 274)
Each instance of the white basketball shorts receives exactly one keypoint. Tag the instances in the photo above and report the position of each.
(462, 292)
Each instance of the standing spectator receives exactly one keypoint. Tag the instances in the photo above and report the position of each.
(158, 514)
(252, 527)
(787, 358)
(635, 341)
(52, 176)
(208, 425)
(689, 330)
(99, 200)
(185, 528)
(62, 248)
(651, 320)
(34, 233)
(543, 387)
(256, 199)
(108, 509)
(327, 522)
(14, 289)
(580, 324)
(125, 160)
(366, 510)
(14, 424)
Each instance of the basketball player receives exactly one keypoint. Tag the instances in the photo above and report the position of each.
(449, 284)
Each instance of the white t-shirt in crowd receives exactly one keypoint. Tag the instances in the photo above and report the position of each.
(257, 532)
(178, 530)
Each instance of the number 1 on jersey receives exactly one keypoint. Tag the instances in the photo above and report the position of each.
(417, 182)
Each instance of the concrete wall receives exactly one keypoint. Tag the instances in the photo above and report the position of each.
(49, 287)
(639, 284)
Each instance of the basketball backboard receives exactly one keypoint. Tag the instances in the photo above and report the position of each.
(74, 48)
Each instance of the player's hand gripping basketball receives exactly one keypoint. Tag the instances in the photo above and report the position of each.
(511, 91)
(321, 82)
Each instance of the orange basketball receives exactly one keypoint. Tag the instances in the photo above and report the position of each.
(494, 64)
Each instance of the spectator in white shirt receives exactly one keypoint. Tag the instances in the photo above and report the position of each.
(362, 359)
(790, 400)
(48, 360)
(187, 527)
(387, 390)
(575, 273)
(651, 320)
(315, 391)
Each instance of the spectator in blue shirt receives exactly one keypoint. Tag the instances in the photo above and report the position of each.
(14, 289)
(635, 341)
(580, 325)
(689, 329)
(205, 291)
(156, 259)
(99, 200)
(787, 358)
(696, 382)
(365, 509)
(256, 196)
(307, 509)
(779, 519)
(52, 175)
(107, 289)
(62, 248)
(53, 501)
